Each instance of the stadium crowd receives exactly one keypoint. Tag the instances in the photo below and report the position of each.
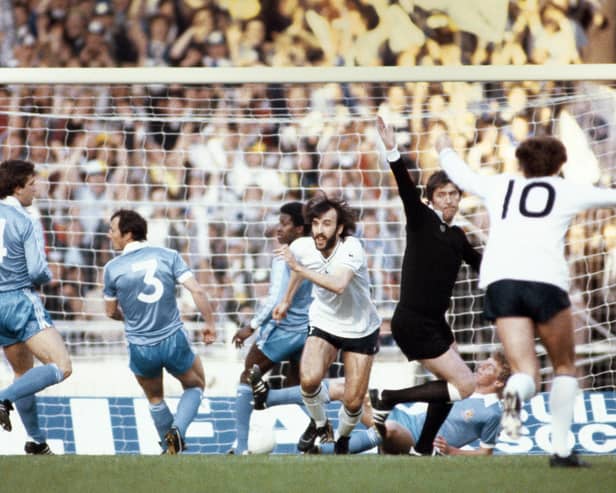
(209, 165)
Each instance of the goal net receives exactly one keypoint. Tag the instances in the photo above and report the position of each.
(208, 157)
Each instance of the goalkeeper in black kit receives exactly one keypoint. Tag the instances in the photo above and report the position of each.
(434, 253)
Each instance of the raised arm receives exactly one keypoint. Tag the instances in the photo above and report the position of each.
(457, 170)
(407, 189)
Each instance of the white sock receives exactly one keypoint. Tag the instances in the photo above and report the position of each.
(347, 420)
(521, 384)
(315, 405)
(454, 393)
(562, 401)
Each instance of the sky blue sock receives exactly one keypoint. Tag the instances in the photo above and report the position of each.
(26, 407)
(34, 380)
(287, 395)
(187, 409)
(361, 440)
(243, 410)
(163, 420)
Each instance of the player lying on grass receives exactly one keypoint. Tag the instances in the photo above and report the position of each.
(474, 418)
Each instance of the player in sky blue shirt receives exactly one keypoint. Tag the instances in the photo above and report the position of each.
(276, 341)
(475, 418)
(140, 289)
(26, 328)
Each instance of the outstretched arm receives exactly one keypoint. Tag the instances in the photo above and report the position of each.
(457, 170)
(407, 189)
(446, 449)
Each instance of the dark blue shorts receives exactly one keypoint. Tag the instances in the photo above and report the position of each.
(538, 301)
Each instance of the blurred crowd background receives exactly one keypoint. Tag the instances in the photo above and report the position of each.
(209, 165)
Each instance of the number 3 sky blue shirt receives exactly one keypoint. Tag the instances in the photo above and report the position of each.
(142, 279)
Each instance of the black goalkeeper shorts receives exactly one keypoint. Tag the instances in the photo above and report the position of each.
(420, 336)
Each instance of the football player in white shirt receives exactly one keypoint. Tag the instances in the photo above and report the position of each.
(342, 316)
(525, 273)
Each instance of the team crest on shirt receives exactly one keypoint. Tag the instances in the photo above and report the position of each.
(468, 415)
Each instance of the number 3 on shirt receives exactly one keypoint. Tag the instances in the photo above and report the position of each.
(3, 251)
(149, 266)
(549, 203)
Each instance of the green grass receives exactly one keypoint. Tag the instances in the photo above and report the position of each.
(291, 473)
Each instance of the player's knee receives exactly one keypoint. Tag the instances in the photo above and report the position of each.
(200, 382)
(310, 386)
(353, 404)
(66, 368)
(309, 380)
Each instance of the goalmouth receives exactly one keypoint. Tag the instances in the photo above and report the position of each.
(208, 155)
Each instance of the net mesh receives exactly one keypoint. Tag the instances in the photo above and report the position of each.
(210, 165)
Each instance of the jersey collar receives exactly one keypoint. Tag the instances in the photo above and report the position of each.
(134, 245)
(488, 399)
(438, 213)
(13, 202)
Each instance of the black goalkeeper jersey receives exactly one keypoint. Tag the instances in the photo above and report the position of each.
(434, 251)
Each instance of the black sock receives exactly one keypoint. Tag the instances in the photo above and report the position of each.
(435, 391)
(435, 416)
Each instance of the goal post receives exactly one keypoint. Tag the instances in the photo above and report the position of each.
(209, 155)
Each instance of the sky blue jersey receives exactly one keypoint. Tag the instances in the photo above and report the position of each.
(142, 279)
(297, 314)
(474, 418)
(22, 253)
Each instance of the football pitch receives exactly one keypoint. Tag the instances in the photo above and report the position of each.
(294, 473)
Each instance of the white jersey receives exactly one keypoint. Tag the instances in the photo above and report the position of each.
(529, 218)
(352, 313)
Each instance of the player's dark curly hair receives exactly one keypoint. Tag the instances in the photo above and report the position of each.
(14, 173)
(295, 211)
(320, 204)
(438, 179)
(541, 156)
(131, 222)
